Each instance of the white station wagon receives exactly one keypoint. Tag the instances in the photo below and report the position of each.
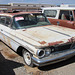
(30, 34)
(63, 16)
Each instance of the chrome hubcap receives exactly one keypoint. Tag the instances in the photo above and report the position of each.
(27, 58)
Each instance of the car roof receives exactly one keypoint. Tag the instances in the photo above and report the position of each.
(18, 13)
(59, 8)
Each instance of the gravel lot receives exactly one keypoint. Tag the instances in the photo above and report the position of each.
(13, 64)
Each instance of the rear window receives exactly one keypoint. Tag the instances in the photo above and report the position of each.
(50, 13)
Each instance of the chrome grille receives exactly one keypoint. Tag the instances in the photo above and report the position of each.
(63, 47)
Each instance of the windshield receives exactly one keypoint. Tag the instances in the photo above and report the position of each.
(30, 20)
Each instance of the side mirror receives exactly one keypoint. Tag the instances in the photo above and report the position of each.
(58, 23)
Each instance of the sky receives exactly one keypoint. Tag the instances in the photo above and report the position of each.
(56, 2)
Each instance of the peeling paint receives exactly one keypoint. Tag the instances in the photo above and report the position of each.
(42, 42)
(55, 43)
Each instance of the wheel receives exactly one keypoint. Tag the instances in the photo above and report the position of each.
(27, 58)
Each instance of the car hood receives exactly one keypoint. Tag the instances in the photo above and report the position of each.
(46, 35)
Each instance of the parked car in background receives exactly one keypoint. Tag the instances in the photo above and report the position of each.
(63, 16)
(30, 34)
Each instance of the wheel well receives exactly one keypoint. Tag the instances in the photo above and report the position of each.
(19, 50)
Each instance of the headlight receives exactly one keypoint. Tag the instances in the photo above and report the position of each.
(41, 53)
(47, 51)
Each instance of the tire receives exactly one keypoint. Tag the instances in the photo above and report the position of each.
(27, 58)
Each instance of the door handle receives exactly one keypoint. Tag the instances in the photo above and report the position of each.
(58, 23)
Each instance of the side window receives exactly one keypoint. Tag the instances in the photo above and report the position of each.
(50, 13)
(5, 20)
(2, 20)
(66, 15)
(8, 21)
(71, 15)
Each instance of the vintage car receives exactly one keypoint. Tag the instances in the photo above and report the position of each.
(30, 34)
(63, 16)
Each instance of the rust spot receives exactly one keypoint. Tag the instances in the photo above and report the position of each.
(24, 29)
(3, 37)
(9, 42)
(55, 43)
(42, 42)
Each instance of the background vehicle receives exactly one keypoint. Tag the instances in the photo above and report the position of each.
(63, 16)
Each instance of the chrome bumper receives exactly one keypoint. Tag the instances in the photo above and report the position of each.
(54, 57)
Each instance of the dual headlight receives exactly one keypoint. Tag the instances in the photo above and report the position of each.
(43, 52)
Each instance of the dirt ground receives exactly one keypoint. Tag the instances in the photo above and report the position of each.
(13, 64)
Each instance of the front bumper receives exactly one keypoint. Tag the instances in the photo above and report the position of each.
(54, 57)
